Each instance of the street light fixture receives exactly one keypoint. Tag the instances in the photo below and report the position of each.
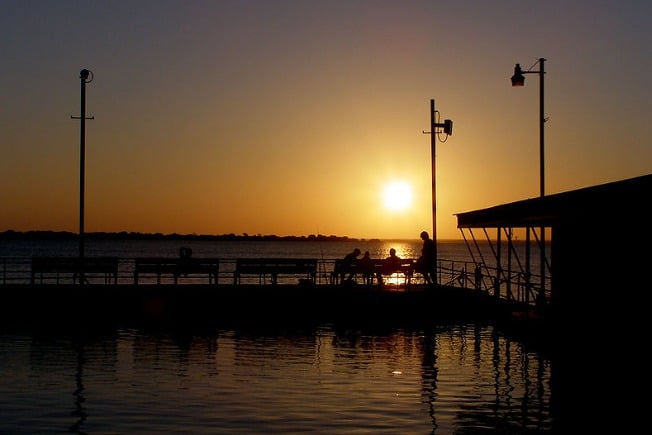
(518, 80)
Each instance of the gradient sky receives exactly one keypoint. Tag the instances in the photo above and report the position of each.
(288, 116)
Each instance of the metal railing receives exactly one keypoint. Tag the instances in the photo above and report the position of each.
(514, 286)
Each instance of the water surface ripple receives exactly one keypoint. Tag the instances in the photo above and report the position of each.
(445, 379)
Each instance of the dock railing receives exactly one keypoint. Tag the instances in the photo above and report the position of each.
(515, 286)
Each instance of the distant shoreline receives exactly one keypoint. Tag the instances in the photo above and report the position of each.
(123, 235)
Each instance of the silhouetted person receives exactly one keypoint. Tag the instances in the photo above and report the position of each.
(391, 265)
(185, 255)
(348, 264)
(478, 277)
(393, 262)
(427, 263)
(366, 267)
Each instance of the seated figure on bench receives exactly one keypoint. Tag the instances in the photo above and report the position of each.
(347, 266)
(366, 268)
(393, 264)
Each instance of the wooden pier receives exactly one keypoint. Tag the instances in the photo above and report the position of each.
(179, 292)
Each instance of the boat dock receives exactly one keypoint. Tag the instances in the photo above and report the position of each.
(208, 292)
(582, 251)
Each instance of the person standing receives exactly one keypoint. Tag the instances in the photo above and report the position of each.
(427, 263)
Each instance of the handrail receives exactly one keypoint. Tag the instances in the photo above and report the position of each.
(451, 273)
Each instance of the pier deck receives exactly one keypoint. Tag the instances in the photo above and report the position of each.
(207, 305)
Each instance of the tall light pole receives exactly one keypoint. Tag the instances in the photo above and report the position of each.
(447, 127)
(518, 79)
(85, 76)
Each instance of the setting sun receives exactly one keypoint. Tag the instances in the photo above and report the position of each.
(397, 195)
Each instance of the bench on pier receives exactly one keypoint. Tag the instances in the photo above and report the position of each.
(275, 267)
(176, 267)
(377, 269)
(405, 269)
(58, 267)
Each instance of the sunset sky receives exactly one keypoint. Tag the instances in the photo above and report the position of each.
(290, 117)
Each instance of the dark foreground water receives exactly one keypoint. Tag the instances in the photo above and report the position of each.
(331, 379)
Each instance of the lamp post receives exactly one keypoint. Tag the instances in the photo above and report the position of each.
(85, 76)
(447, 127)
(518, 80)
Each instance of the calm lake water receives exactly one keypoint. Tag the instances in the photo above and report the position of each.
(428, 377)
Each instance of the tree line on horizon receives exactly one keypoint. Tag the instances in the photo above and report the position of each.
(124, 235)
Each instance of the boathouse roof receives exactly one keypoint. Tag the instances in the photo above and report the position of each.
(618, 200)
(599, 238)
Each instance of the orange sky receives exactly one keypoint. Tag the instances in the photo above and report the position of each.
(288, 117)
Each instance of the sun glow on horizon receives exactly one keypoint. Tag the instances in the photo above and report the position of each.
(397, 196)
